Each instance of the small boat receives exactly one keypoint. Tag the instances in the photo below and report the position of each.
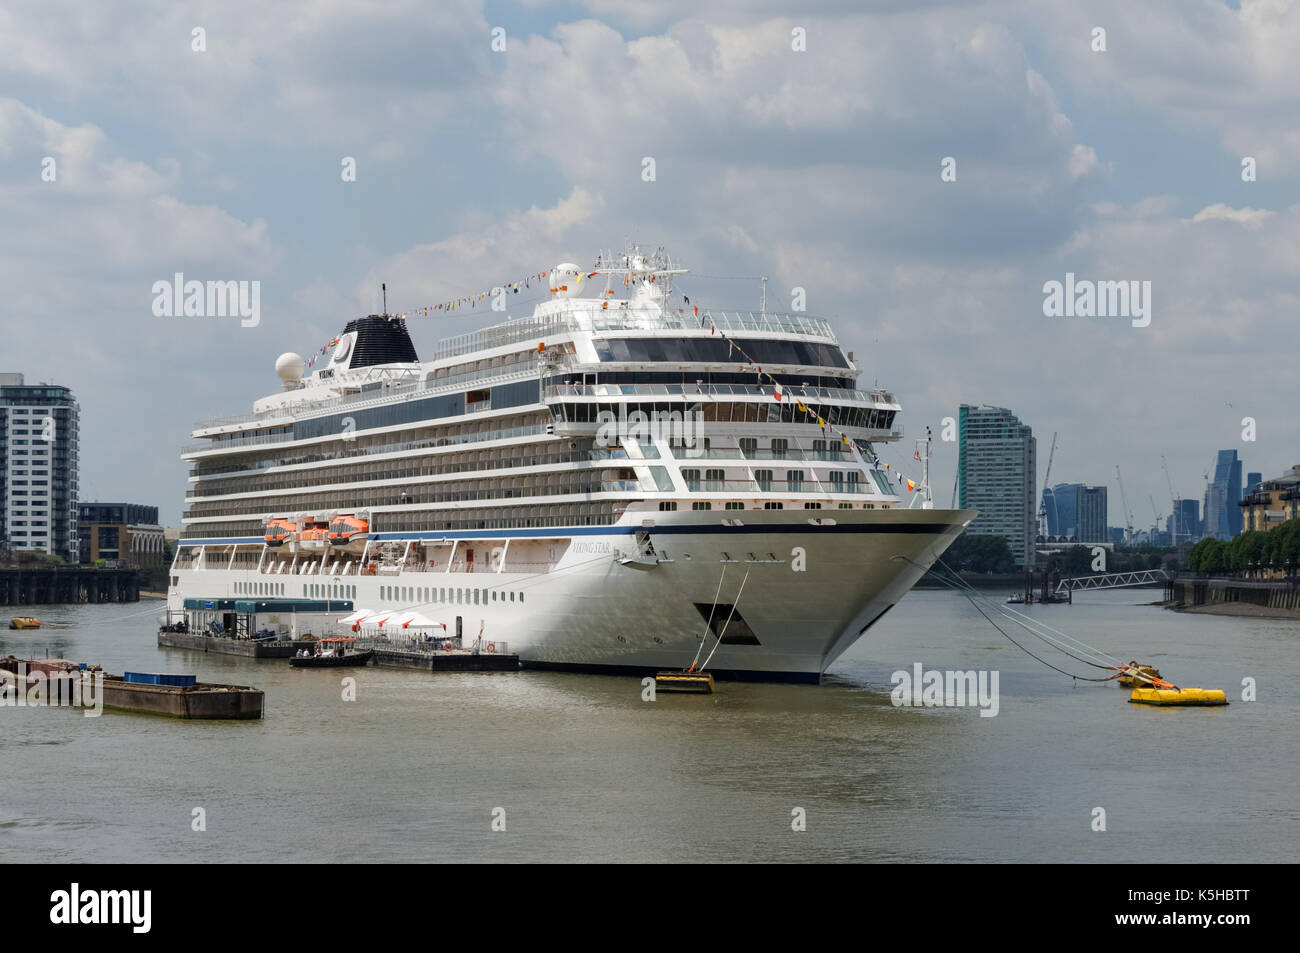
(348, 529)
(1015, 599)
(279, 530)
(338, 655)
(25, 622)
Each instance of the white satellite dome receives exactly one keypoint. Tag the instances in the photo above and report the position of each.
(566, 280)
(290, 367)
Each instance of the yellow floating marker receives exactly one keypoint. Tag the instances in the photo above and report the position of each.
(700, 683)
(1178, 696)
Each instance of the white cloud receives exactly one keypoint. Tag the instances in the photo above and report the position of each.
(1218, 212)
(339, 71)
(1083, 161)
(1200, 66)
(487, 254)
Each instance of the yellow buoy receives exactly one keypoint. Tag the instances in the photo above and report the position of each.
(696, 682)
(1178, 696)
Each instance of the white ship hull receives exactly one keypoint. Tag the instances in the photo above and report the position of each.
(809, 592)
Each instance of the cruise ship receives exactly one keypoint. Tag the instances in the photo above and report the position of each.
(621, 482)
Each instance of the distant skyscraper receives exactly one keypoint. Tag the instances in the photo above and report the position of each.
(1253, 480)
(1222, 514)
(1188, 529)
(39, 426)
(1091, 521)
(1066, 496)
(998, 475)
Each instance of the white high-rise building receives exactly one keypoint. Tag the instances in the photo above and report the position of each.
(39, 426)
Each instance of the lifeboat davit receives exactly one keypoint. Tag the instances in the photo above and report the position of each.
(280, 530)
(345, 530)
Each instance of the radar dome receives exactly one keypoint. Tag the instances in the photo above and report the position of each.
(290, 367)
(566, 280)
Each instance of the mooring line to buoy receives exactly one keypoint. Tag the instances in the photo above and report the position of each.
(1028, 623)
(1057, 639)
(728, 622)
(1035, 628)
(709, 621)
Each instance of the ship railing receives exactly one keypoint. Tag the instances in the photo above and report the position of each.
(795, 455)
(648, 452)
(874, 398)
(508, 433)
(431, 387)
(438, 567)
(652, 318)
(810, 485)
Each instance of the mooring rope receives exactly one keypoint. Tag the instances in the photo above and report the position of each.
(1031, 625)
(704, 636)
(728, 620)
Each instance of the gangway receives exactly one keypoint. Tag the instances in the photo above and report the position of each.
(1111, 580)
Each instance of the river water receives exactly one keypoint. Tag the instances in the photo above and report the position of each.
(582, 769)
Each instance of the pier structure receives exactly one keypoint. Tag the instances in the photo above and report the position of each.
(1190, 590)
(45, 586)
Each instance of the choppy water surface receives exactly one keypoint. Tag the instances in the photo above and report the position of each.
(585, 770)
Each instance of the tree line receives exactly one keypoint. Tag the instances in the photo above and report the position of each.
(1252, 553)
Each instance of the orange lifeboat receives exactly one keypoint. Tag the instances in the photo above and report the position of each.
(279, 530)
(313, 536)
(348, 529)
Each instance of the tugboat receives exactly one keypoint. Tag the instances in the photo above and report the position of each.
(336, 656)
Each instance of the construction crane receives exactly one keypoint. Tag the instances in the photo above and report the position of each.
(1047, 481)
(1155, 527)
(1174, 499)
(1128, 516)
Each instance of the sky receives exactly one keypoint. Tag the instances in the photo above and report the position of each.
(802, 142)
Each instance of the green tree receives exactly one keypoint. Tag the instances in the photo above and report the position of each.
(976, 552)
(1077, 561)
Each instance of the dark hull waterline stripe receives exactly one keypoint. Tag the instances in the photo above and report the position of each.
(722, 674)
(886, 528)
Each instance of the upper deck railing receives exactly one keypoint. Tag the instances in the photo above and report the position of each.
(528, 329)
(626, 319)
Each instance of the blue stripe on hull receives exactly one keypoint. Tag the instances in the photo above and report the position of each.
(904, 528)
